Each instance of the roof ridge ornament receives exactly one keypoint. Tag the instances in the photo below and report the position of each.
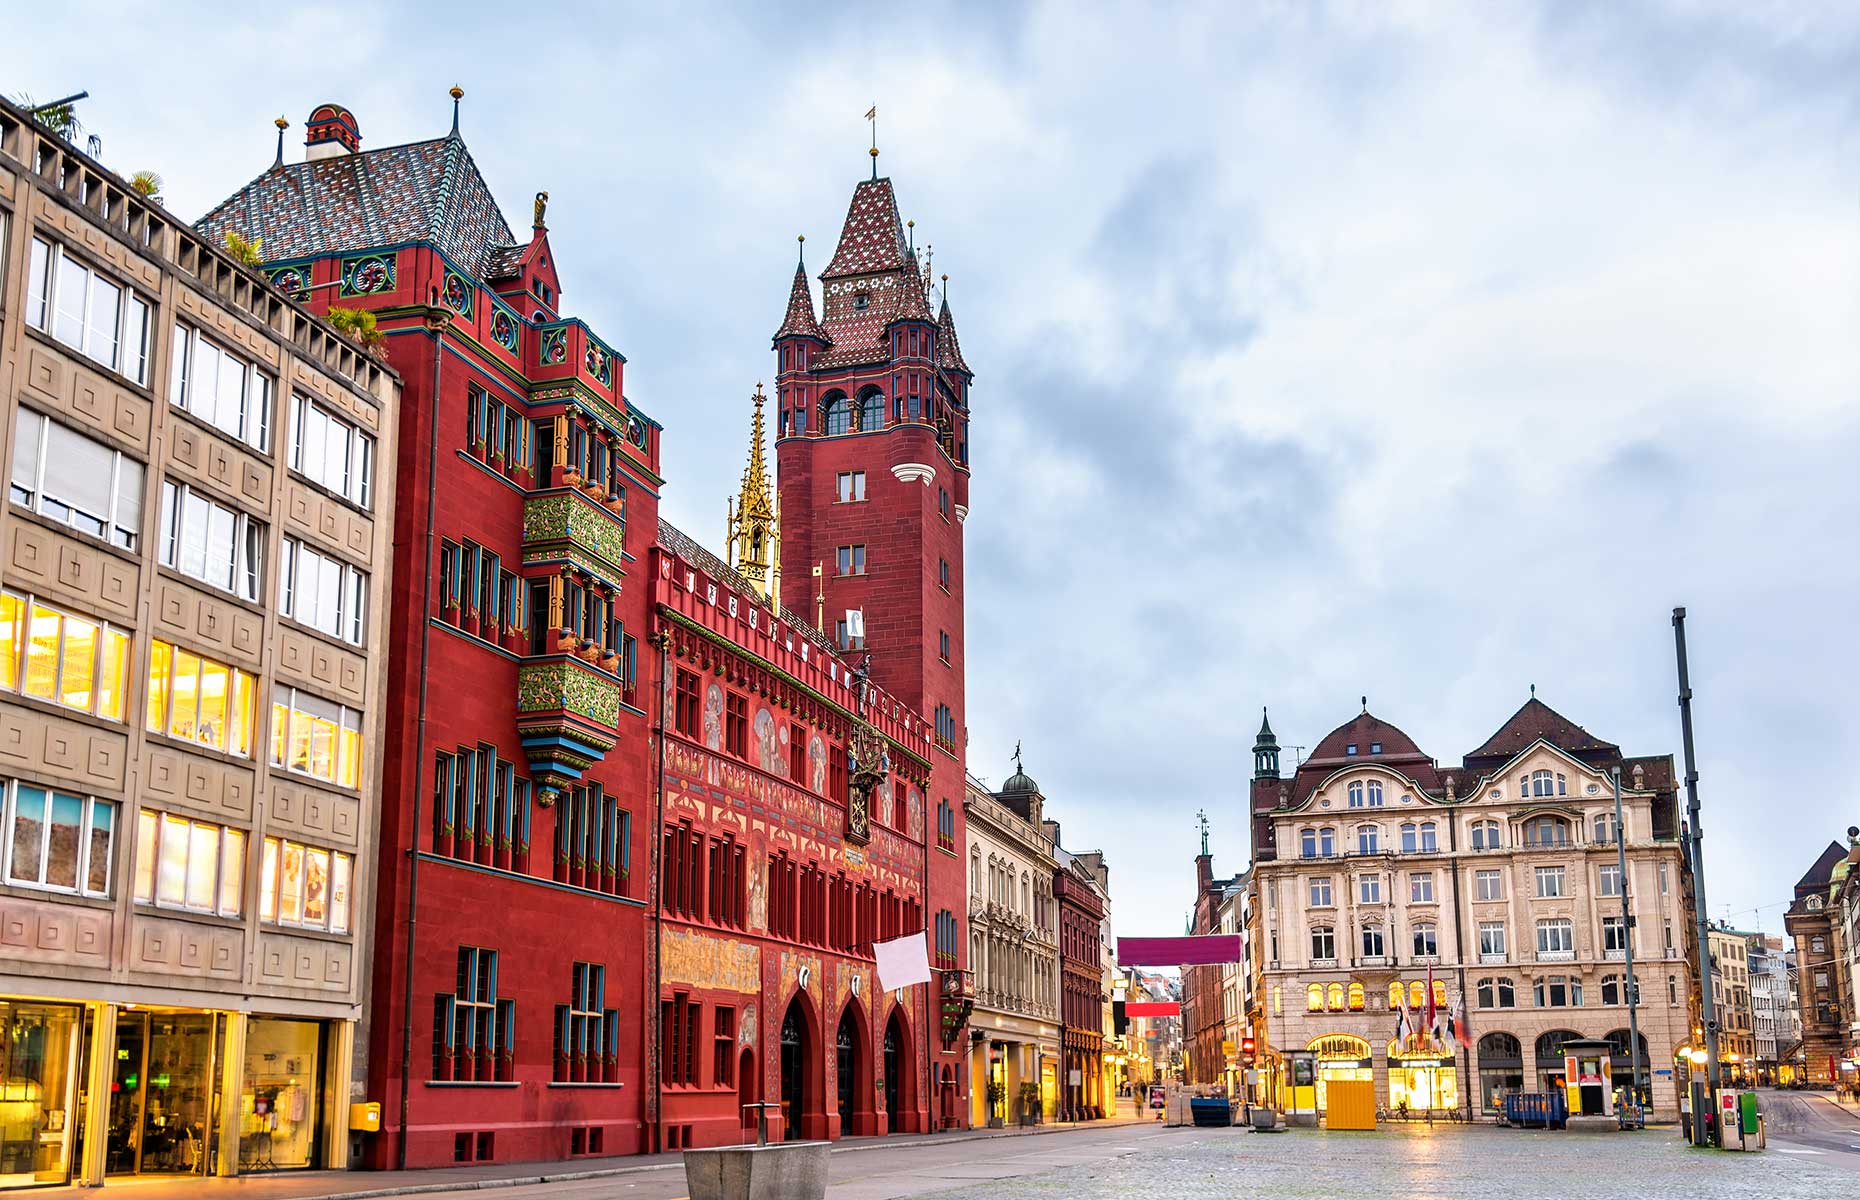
(282, 125)
(542, 208)
(872, 116)
(457, 93)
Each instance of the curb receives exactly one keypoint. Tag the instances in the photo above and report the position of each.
(477, 1185)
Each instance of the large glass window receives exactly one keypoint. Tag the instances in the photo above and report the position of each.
(323, 592)
(1555, 938)
(200, 700)
(329, 451)
(281, 1108)
(1489, 885)
(76, 480)
(82, 308)
(1609, 877)
(208, 541)
(312, 736)
(1549, 881)
(190, 864)
(57, 840)
(1492, 938)
(1323, 942)
(53, 655)
(220, 388)
(304, 886)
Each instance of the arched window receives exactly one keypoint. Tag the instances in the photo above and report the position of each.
(1426, 941)
(1368, 839)
(975, 871)
(1314, 998)
(1373, 944)
(1307, 843)
(1417, 994)
(1430, 837)
(871, 409)
(1541, 783)
(1323, 942)
(1410, 839)
(1356, 794)
(1546, 831)
(1611, 990)
(1395, 995)
(1356, 997)
(836, 413)
(1485, 835)
(1562, 784)
(1483, 992)
(1496, 1049)
(1375, 793)
(1336, 997)
(1440, 993)
(1327, 842)
(1605, 828)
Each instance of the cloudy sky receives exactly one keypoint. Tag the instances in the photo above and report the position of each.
(1320, 352)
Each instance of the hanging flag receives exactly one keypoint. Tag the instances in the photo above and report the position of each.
(1430, 1013)
(902, 961)
(872, 114)
(1462, 1029)
(1401, 1023)
(1405, 1027)
(855, 623)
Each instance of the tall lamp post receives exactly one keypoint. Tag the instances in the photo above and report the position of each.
(1702, 928)
(1627, 933)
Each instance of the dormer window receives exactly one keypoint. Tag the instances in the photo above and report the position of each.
(1375, 747)
(1350, 750)
(862, 301)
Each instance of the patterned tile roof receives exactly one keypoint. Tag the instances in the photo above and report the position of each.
(948, 349)
(421, 192)
(502, 262)
(912, 304)
(873, 237)
(678, 542)
(799, 319)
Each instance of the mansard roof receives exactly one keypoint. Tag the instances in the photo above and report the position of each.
(1538, 720)
(421, 192)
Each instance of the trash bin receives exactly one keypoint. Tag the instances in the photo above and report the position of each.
(1211, 1112)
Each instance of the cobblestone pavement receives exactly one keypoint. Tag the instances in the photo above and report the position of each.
(1416, 1163)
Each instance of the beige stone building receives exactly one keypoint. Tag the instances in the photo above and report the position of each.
(195, 552)
(1376, 869)
(1734, 1008)
(1013, 949)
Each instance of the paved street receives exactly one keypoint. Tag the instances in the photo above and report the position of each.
(1809, 1157)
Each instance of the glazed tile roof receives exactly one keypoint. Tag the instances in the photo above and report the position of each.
(912, 305)
(678, 542)
(421, 192)
(948, 348)
(1538, 720)
(873, 237)
(503, 262)
(856, 340)
(799, 319)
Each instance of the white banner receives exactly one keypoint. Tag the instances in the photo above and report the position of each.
(903, 961)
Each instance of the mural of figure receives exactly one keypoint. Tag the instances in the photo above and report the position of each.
(768, 749)
(817, 764)
(915, 799)
(781, 752)
(746, 1028)
(758, 902)
(713, 717)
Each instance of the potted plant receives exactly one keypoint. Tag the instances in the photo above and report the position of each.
(1030, 1103)
(997, 1092)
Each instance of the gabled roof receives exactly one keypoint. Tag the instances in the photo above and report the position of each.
(420, 192)
(1822, 872)
(948, 348)
(872, 238)
(1538, 720)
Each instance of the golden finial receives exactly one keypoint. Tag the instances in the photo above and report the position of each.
(457, 93)
(282, 125)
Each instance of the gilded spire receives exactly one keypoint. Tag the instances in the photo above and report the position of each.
(754, 531)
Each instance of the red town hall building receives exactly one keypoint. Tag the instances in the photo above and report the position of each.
(645, 811)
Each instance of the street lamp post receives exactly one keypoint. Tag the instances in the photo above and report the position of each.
(1702, 928)
(1627, 932)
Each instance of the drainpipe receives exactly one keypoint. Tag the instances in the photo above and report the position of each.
(658, 907)
(1459, 952)
(433, 327)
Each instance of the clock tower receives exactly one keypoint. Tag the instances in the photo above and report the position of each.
(872, 454)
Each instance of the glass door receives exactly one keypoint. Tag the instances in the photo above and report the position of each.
(178, 1089)
(38, 1085)
(123, 1148)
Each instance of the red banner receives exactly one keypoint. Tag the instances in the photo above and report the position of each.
(1204, 950)
(1153, 1008)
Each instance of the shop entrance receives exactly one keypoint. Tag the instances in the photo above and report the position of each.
(1340, 1057)
(793, 1071)
(38, 1091)
(164, 1093)
(893, 1071)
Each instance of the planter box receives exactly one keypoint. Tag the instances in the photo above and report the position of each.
(1265, 1119)
(782, 1171)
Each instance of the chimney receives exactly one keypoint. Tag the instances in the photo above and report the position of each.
(331, 132)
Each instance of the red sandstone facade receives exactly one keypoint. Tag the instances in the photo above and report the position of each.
(640, 824)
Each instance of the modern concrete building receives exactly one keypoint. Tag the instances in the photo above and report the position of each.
(195, 562)
(1014, 952)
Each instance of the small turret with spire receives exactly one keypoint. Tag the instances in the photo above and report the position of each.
(753, 534)
(1265, 750)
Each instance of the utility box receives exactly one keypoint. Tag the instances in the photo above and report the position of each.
(365, 1118)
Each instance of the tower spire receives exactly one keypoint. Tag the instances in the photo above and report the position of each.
(282, 125)
(457, 93)
(753, 534)
(872, 116)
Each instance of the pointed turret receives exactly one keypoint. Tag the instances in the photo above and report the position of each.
(753, 536)
(1265, 750)
(799, 320)
(913, 305)
(948, 349)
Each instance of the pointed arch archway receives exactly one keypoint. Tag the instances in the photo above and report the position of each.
(853, 1092)
(898, 1060)
(801, 1078)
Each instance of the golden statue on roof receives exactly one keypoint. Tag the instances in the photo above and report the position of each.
(753, 532)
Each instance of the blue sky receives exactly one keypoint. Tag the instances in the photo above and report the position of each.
(1427, 352)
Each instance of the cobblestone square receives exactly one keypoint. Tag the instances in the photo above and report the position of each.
(1418, 1163)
